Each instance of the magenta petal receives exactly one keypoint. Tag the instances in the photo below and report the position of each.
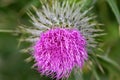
(58, 51)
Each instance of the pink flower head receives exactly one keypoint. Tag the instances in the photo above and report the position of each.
(62, 35)
(58, 51)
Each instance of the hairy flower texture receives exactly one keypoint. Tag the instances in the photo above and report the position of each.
(59, 50)
(62, 36)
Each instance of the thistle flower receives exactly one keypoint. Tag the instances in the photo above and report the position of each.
(62, 37)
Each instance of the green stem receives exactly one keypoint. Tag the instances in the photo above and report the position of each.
(119, 29)
(115, 10)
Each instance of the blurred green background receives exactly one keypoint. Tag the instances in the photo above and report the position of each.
(12, 62)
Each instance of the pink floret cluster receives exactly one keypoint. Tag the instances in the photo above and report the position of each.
(58, 51)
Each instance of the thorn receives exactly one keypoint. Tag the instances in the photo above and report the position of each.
(8, 31)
